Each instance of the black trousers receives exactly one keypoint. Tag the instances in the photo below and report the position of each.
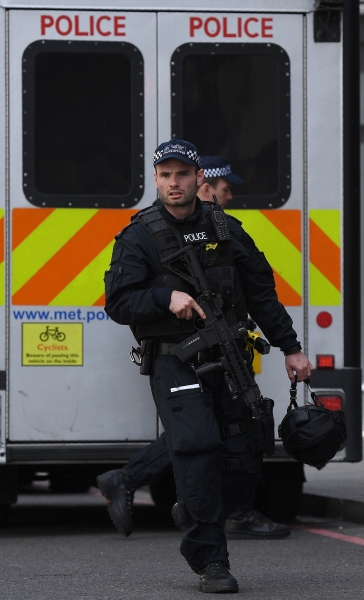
(193, 419)
(150, 464)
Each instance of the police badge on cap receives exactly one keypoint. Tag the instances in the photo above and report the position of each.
(180, 149)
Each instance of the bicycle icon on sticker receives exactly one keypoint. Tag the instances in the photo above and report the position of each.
(59, 336)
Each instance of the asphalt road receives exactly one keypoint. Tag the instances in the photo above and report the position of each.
(63, 547)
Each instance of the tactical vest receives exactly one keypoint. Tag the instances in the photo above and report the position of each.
(216, 258)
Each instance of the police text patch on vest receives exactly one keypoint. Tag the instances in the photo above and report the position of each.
(196, 236)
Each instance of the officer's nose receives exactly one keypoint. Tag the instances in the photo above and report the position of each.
(173, 181)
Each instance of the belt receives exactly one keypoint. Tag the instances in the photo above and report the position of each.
(234, 429)
(166, 349)
(207, 355)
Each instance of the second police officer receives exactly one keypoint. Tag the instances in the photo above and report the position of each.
(213, 469)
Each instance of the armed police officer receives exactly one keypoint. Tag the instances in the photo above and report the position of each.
(150, 464)
(209, 429)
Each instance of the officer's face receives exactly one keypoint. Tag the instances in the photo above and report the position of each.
(177, 182)
(223, 192)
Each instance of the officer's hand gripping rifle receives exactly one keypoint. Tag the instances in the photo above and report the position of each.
(214, 330)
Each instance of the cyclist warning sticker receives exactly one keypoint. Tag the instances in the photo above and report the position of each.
(48, 345)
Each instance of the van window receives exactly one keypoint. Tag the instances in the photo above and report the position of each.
(233, 100)
(83, 124)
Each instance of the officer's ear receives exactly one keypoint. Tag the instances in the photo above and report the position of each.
(204, 191)
(200, 176)
(155, 177)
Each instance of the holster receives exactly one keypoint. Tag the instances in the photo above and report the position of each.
(261, 431)
(148, 350)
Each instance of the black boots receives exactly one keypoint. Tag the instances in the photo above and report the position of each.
(175, 516)
(254, 525)
(246, 526)
(216, 578)
(119, 490)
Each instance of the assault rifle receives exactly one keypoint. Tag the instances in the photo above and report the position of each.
(214, 330)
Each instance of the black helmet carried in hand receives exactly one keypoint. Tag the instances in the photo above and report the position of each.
(312, 434)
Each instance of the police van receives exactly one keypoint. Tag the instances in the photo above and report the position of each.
(89, 88)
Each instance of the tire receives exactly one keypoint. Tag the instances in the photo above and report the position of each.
(279, 494)
(44, 337)
(61, 337)
(164, 492)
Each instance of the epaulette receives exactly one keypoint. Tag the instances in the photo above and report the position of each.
(141, 213)
(152, 219)
(118, 235)
(145, 211)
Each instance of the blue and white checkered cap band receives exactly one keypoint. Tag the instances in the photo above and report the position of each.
(217, 172)
(193, 155)
(177, 149)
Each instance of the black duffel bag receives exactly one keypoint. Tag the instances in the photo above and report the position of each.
(311, 434)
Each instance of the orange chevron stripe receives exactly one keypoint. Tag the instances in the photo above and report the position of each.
(73, 257)
(325, 255)
(22, 227)
(286, 294)
(288, 222)
(1, 239)
(100, 301)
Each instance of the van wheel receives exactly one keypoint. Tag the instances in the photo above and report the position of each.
(279, 494)
(164, 492)
(4, 514)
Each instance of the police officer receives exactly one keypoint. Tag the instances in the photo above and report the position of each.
(212, 468)
(150, 464)
(218, 180)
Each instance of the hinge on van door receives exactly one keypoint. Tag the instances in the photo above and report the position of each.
(327, 25)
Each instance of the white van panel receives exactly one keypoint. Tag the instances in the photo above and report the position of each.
(105, 399)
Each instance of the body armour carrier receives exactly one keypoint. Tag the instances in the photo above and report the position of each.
(216, 258)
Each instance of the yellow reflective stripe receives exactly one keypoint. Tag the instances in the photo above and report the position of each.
(322, 292)
(49, 237)
(88, 286)
(329, 221)
(281, 254)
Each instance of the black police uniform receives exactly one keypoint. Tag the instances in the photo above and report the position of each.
(213, 469)
(148, 465)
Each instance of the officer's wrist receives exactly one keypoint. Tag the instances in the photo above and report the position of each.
(292, 349)
(162, 297)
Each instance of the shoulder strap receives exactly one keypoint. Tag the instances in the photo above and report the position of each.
(162, 232)
(149, 216)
